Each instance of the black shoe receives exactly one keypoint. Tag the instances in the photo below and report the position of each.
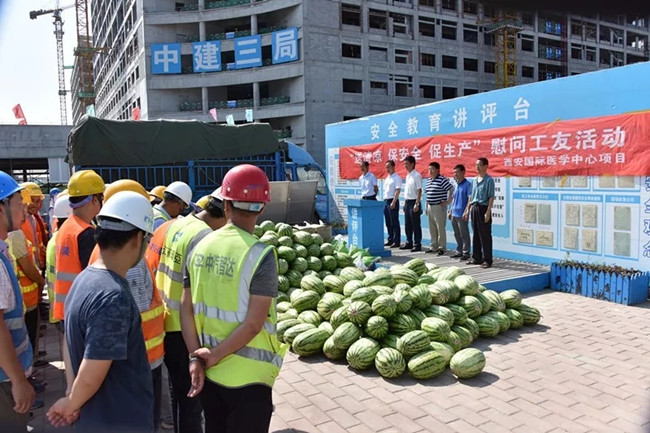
(473, 262)
(430, 251)
(39, 363)
(416, 248)
(457, 255)
(395, 246)
(406, 247)
(463, 258)
(388, 244)
(441, 253)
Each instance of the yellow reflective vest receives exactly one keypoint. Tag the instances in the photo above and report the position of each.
(221, 268)
(181, 237)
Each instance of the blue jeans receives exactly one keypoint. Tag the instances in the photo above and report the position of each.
(392, 222)
(412, 224)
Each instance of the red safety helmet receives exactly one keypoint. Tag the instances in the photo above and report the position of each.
(246, 183)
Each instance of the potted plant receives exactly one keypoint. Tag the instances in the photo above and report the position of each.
(600, 281)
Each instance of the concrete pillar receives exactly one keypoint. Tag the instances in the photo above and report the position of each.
(253, 24)
(202, 30)
(256, 85)
(201, 6)
(204, 99)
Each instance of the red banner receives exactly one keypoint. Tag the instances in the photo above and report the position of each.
(596, 146)
(18, 113)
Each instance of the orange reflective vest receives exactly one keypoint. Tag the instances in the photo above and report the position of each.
(28, 287)
(152, 256)
(153, 319)
(44, 237)
(67, 264)
(34, 235)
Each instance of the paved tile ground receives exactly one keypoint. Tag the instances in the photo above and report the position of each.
(584, 368)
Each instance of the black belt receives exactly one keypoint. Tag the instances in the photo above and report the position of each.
(434, 204)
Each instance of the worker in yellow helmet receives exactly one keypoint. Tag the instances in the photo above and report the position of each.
(203, 201)
(75, 243)
(34, 227)
(156, 195)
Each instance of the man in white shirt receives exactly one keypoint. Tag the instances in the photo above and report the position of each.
(368, 182)
(412, 207)
(392, 188)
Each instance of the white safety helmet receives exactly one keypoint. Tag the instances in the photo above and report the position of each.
(131, 208)
(62, 207)
(180, 190)
(217, 194)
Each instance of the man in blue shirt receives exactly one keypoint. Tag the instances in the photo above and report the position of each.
(112, 389)
(460, 223)
(479, 208)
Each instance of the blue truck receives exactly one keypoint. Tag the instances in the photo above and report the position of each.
(161, 151)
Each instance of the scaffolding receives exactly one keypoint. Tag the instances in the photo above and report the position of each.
(505, 27)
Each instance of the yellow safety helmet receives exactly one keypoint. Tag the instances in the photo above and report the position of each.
(26, 196)
(157, 192)
(203, 201)
(33, 189)
(85, 182)
(124, 185)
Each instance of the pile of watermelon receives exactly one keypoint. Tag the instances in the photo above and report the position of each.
(414, 317)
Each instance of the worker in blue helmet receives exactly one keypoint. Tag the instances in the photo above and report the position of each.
(15, 350)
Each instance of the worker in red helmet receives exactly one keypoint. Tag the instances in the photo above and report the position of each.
(230, 333)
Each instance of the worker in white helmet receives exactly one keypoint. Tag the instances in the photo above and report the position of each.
(177, 198)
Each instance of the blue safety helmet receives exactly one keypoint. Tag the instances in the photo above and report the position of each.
(8, 186)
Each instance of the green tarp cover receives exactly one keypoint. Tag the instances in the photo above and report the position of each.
(100, 142)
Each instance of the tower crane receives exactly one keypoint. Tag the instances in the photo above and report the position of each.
(58, 33)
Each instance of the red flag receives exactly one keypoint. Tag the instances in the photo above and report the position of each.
(136, 113)
(18, 112)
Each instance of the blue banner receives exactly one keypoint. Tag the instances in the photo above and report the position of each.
(166, 59)
(206, 56)
(285, 45)
(248, 52)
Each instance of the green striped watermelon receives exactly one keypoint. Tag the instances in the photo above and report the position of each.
(326, 249)
(390, 362)
(323, 274)
(329, 263)
(481, 288)
(439, 295)
(467, 285)
(530, 314)
(334, 284)
(512, 298)
(270, 238)
(301, 251)
(331, 351)
(299, 264)
(303, 238)
(284, 325)
(502, 318)
(339, 316)
(467, 363)
(365, 294)
(294, 277)
(283, 283)
(405, 276)
(443, 348)
(291, 333)
(403, 299)
(361, 355)
(417, 315)
(327, 326)
(516, 319)
(379, 279)
(440, 312)
(473, 328)
(436, 328)
(460, 315)
(350, 273)
(450, 273)
(284, 230)
(307, 300)
(455, 341)
(471, 305)
(400, 324)
(283, 306)
(317, 239)
(283, 297)
(314, 263)
(310, 342)
(283, 266)
(496, 302)
(351, 286)
(465, 335)
(359, 312)
(488, 326)
(486, 305)
(390, 340)
(421, 296)
(310, 316)
(267, 226)
(286, 241)
(427, 365)
(293, 293)
(376, 327)
(328, 304)
(402, 286)
(345, 335)
(383, 290)
(384, 305)
(289, 314)
(413, 343)
(426, 279)
(343, 260)
(416, 265)
(313, 283)
(452, 290)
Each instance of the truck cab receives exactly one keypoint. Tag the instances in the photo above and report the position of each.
(300, 166)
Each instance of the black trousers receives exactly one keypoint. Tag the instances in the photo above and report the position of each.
(412, 223)
(186, 412)
(237, 410)
(392, 222)
(31, 323)
(370, 197)
(482, 238)
(156, 376)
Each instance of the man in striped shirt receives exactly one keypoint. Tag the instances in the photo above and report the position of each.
(439, 194)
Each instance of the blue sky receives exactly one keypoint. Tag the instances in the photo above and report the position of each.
(28, 68)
